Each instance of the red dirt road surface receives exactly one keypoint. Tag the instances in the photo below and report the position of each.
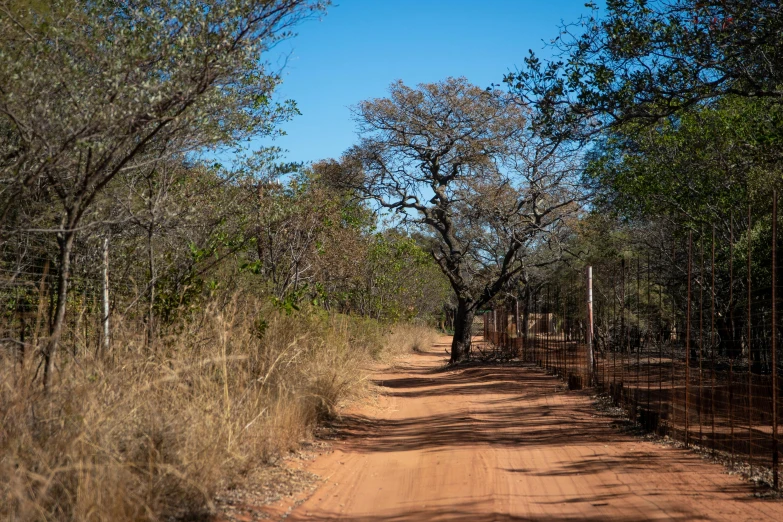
(508, 444)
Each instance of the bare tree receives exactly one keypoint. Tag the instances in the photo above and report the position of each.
(464, 165)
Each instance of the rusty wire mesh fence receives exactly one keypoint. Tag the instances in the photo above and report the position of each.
(685, 337)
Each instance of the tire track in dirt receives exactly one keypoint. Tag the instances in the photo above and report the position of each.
(507, 444)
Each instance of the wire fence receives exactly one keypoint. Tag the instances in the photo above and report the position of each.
(685, 339)
(28, 293)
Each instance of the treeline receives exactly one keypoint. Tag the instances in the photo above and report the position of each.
(181, 233)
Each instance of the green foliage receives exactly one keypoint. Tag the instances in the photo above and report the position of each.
(317, 244)
(644, 60)
(290, 302)
(696, 169)
(406, 281)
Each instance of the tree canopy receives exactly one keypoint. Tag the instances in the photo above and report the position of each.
(643, 60)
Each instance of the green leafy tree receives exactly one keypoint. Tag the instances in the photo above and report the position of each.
(695, 169)
(403, 281)
(644, 60)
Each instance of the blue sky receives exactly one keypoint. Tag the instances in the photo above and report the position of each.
(361, 46)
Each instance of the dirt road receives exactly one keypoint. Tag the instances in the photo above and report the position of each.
(506, 444)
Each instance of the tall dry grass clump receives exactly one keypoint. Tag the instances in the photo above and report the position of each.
(152, 433)
(409, 337)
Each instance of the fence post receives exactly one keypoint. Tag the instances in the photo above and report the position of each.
(20, 311)
(733, 331)
(648, 334)
(623, 343)
(525, 322)
(611, 344)
(638, 338)
(564, 305)
(701, 335)
(549, 319)
(672, 399)
(105, 344)
(750, 349)
(660, 360)
(536, 325)
(590, 361)
(712, 340)
(774, 341)
(688, 338)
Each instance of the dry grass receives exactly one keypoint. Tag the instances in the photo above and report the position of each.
(409, 337)
(153, 436)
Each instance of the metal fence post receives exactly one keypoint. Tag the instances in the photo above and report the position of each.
(774, 341)
(590, 355)
(712, 340)
(638, 337)
(701, 334)
(750, 348)
(688, 337)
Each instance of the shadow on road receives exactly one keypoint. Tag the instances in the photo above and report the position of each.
(519, 407)
(468, 513)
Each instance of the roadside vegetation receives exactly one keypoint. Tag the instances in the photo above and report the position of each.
(155, 436)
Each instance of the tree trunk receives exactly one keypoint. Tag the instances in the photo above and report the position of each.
(463, 332)
(526, 305)
(63, 278)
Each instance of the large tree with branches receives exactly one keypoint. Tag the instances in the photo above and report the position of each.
(464, 166)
